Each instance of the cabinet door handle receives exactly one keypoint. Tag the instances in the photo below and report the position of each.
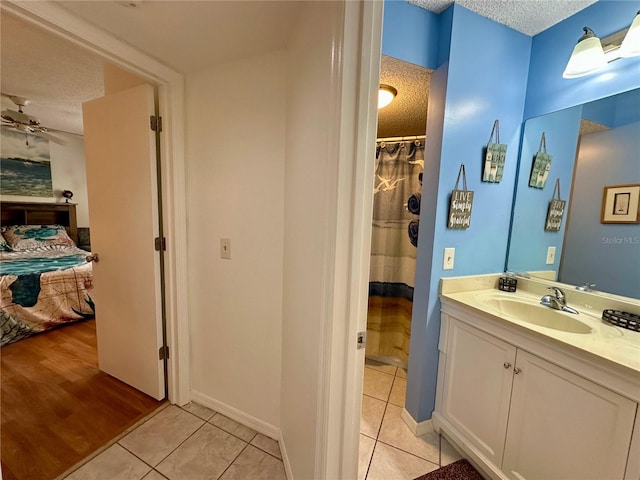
(516, 370)
(507, 365)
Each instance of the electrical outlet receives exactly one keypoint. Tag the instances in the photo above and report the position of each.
(551, 255)
(449, 255)
(225, 248)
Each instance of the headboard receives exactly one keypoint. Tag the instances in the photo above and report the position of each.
(33, 213)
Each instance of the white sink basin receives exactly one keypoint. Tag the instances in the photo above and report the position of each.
(538, 315)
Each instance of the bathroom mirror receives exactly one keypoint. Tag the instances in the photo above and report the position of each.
(593, 146)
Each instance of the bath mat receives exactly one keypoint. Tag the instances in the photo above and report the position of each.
(460, 470)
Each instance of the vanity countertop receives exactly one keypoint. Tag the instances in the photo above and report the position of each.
(606, 341)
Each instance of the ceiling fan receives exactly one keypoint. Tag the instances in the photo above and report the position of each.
(18, 120)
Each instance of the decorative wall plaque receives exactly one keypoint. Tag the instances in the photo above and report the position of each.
(460, 204)
(556, 210)
(541, 165)
(494, 157)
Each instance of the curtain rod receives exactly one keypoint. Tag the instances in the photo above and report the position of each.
(401, 139)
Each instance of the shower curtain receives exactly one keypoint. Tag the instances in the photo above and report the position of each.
(396, 206)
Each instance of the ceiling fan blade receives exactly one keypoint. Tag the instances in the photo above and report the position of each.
(49, 137)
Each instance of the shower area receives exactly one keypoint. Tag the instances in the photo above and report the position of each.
(399, 166)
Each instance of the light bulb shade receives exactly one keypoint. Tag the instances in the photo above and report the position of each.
(631, 44)
(587, 56)
(386, 94)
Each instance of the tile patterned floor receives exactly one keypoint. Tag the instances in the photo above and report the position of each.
(388, 449)
(196, 443)
(192, 442)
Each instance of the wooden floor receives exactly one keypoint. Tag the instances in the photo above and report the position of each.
(56, 406)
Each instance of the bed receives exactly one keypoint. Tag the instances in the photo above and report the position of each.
(45, 279)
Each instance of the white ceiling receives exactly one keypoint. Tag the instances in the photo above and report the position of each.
(185, 35)
(527, 16)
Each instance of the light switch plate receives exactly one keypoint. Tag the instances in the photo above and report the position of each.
(551, 255)
(449, 255)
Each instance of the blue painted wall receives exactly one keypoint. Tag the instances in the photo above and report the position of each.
(529, 241)
(548, 91)
(410, 34)
(613, 250)
(463, 104)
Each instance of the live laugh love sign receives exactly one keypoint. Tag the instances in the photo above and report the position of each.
(460, 204)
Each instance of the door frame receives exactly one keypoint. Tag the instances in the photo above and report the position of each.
(356, 78)
(58, 21)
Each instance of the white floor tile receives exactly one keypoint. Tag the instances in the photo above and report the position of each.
(233, 427)
(365, 451)
(389, 463)
(448, 453)
(254, 464)
(398, 391)
(371, 417)
(161, 434)
(396, 433)
(153, 475)
(267, 444)
(115, 463)
(199, 410)
(206, 454)
(377, 384)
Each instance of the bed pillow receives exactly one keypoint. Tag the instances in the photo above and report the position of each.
(25, 237)
(4, 246)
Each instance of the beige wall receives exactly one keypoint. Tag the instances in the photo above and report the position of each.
(235, 189)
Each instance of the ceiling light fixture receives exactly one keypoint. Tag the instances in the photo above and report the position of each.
(591, 54)
(386, 94)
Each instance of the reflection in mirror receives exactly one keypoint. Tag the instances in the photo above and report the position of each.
(593, 146)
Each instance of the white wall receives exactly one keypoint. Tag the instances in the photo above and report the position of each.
(67, 173)
(310, 190)
(235, 189)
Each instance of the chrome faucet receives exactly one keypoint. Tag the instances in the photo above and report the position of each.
(558, 301)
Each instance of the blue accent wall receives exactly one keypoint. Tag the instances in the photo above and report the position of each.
(548, 91)
(410, 33)
(483, 80)
(529, 240)
(484, 71)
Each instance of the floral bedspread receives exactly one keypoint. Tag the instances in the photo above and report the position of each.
(43, 288)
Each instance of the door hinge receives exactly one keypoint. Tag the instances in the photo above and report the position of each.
(163, 353)
(362, 340)
(160, 244)
(156, 123)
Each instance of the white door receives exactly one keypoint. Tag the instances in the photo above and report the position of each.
(123, 208)
(477, 387)
(564, 426)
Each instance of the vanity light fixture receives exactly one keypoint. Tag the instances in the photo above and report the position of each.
(631, 44)
(386, 94)
(587, 56)
(591, 54)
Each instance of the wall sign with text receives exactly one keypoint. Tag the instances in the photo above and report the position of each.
(460, 204)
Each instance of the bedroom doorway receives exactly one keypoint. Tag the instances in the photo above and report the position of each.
(122, 182)
(130, 408)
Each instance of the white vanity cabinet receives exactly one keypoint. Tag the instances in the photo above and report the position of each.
(519, 416)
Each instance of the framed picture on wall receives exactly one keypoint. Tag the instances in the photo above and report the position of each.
(621, 204)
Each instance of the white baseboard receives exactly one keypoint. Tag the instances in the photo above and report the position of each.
(418, 429)
(258, 425)
(239, 416)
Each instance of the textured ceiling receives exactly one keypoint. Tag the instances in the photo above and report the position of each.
(54, 75)
(527, 16)
(57, 76)
(407, 113)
